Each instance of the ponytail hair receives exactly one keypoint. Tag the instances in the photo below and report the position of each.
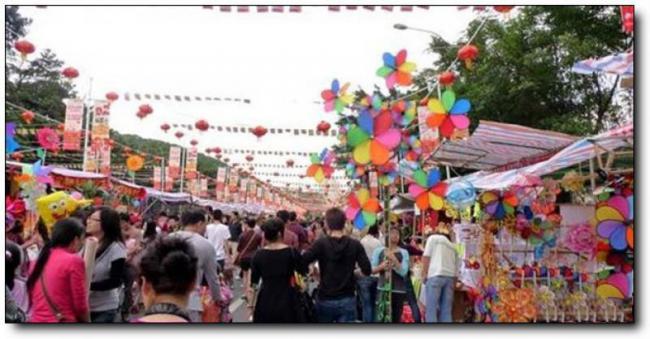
(63, 233)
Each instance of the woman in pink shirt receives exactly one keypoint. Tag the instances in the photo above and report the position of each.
(57, 283)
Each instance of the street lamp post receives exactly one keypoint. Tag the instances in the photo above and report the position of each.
(403, 27)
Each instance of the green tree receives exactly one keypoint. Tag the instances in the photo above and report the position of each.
(522, 74)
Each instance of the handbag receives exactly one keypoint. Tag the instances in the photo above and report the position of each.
(302, 302)
(238, 257)
(53, 308)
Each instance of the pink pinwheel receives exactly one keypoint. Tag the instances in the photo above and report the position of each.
(428, 190)
(448, 115)
(48, 139)
(396, 70)
(336, 98)
(615, 222)
(362, 208)
(373, 139)
(321, 166)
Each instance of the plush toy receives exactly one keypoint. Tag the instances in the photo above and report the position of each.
(57, 206)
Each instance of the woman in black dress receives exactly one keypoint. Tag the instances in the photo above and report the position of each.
(275, 264)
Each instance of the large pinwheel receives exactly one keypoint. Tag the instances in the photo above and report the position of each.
(387, 173)
(543, 234)
(403, 112)
(373, 139)
(497, 205)
(336, 98)
(449, 114)
(321, 166)
(362, 208)
(614, 219)
(396, 70)
(428, 190)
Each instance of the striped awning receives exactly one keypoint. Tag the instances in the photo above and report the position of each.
(500, 146)
(620, 63)
(579, 151)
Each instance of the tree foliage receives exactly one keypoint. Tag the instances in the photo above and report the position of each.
(522, 74)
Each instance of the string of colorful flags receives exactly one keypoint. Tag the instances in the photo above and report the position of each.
(182, 98)
(299, 9)
(249, 129)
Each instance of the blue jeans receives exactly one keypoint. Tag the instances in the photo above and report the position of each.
(342, 310)
(103, 316)
(367, 287)
(439, 298)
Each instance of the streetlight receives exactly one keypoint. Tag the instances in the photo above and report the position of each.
(403, 27)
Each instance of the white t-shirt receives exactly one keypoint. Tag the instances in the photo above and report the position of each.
(444, 258)
(218, 235)
(370, 244)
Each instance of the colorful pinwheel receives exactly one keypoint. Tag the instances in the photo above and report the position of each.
(498, 206)
(396, 70)
(387, 173)
(11, 144)
(543, 235)
(428, 190)
(48, 139)
(373, 139)
(614, 219)
(336, 98)
(615, 286)
(448, 115)
(321, 166)
(404, 112)
(362, 208)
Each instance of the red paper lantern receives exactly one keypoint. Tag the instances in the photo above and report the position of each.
(141, 115)
(193, 142)
(259, 131)
(216, 150)
(165, 127)
(179, 134)
(446, 78)
(202, 125)
(218, 156)
(112, 96)
(70, 72)
(503, 9)
(323, 127)
(290, 163)
(468, 53)
(208, 150)
(145, 109)
(249, 158)
(27, 116)
(24, 47)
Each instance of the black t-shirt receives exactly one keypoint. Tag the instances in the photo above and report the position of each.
(337, 259)
(235, 231)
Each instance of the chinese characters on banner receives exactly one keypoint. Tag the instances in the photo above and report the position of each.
(157, 177)
(99, 159)
(243, 190)
(169, 181)
(73, 122)
(221, 182)
(233, 180)
(174, 162)
(204, 187)
(252, 190)
(191, 163)
(429, 137)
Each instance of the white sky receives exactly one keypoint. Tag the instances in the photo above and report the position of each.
(281, 61)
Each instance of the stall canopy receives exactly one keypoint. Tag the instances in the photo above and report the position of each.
(579, 151)
(499, 146)
(619, 64)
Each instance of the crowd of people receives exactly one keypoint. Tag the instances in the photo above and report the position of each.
(171, 269)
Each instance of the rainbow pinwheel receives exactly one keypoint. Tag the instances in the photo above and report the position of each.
(321, 166)
(396, 70)
(373, 139)
(448, 115)
(387, 173)
(614, 219)
(403, 112)
(543, 234)
(10, 138)
(362, 208)
(337, 98)
(498, 206)
(428, 190)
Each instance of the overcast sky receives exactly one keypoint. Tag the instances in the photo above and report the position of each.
(280, 61)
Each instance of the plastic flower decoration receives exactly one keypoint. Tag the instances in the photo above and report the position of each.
(515, 305)
(581, 238)
(614, 219)
(321, 166)
(449, 114)
(134, 163)
(428, 190)
(336, 98)
(497, 205)
(48, 139)
(396, 70)
(362, 208)
(373, 139)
